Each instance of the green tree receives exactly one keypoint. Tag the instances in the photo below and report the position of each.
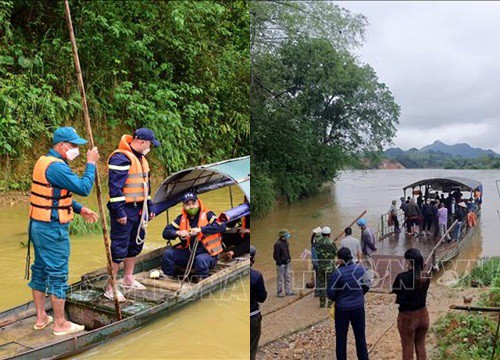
(314, 107)
(179, 67)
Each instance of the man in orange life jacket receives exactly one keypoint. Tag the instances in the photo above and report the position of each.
(195, 222)
(129, 203)
(51, 211)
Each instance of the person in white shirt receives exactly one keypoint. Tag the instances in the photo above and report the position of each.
(352, 244)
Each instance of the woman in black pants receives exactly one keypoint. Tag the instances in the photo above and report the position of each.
(411, 288)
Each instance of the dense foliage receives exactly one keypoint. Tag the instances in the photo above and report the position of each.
(179, 67)
(314, 107)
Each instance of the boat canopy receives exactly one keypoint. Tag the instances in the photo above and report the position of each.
(203, 178)
(447, 184)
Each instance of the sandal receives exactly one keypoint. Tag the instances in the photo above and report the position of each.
(73, 328)
(49, 321)
(136, 285)
(109, 294)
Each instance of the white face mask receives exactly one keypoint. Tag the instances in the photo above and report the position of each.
(146, 151)
(72, 153)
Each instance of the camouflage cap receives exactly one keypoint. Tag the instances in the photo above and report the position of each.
(283, 233)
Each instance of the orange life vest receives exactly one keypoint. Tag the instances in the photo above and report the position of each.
(42, 195)
(212, 243)
(471, 219)
(243, 225)
(137, 180)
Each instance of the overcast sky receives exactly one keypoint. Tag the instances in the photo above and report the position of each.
(441, 61)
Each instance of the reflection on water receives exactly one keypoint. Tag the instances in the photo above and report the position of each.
(216, 327)
(356, 191)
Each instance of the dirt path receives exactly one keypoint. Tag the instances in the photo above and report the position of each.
(297, 328)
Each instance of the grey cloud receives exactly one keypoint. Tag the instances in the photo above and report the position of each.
(442, 62)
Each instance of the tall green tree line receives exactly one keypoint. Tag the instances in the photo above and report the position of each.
(181, 68)
(315, 108)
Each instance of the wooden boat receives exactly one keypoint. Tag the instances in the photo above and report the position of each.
(85, 301)
(435, 251)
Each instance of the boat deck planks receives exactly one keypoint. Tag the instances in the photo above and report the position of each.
(21, 336)
(161, 283)
(11, 349)
(87, 305)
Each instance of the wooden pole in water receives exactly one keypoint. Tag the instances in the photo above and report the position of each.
(86, 117)
(351, 224)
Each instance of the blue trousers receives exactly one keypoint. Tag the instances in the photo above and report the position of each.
(203, 261)
(50, 267)
(123, 244)
(357, 318)
(458, 227)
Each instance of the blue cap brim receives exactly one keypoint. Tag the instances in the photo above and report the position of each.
(156, 143)
(78, 141)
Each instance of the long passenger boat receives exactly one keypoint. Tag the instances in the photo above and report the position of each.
(86, 304)
(436, 251)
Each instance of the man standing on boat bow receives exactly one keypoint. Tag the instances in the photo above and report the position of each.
(130, 204)
(51, 211)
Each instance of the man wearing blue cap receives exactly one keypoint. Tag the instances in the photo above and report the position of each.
(129, 205)
(194, 223)
(51, 211)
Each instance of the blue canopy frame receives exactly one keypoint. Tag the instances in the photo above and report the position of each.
(201, 179)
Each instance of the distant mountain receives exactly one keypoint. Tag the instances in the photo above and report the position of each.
(441, 155)
(463, 150)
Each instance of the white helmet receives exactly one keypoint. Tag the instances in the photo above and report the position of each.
(326, 230)
(317, 230)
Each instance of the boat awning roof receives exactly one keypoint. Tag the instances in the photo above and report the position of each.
(446, 184)
(203, 178)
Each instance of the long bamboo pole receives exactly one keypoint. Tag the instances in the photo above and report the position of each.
(81, 88)
(350, 225)
(475, 308)
(438, 244)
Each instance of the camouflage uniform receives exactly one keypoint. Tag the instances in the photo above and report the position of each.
(325, 253)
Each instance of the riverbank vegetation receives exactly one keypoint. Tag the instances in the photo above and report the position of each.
(181, 68)
(470, 335)
(439, 160)
(315, 108)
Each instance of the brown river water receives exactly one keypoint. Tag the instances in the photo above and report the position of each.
(212, 328)
(338, 204)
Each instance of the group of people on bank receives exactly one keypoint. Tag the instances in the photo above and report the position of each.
(433, 216)
(344, 275)
(324, 250)
(52, 209)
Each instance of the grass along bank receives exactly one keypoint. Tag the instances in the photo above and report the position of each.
(471, 334)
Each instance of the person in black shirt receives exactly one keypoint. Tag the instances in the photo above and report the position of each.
(282, 257)
(428, 215)
(460, 215)
(258, 294)
(411, 295)
(236, 240)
